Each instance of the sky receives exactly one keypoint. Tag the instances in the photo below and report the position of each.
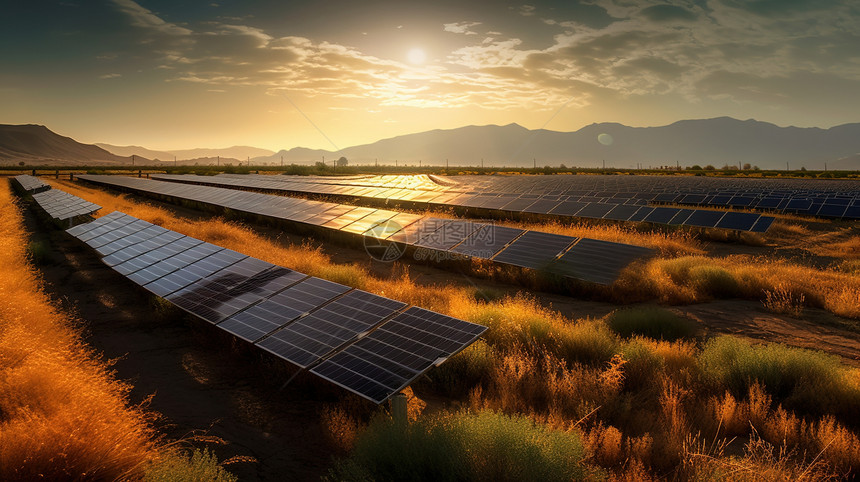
(172, 74)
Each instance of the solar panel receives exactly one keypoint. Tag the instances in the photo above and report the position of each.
(417, 230)
(832, 210)
(568, 208)
(518, 204)
(704, 218)
(642, 213)
(852, 212)
(681, 217)
(309, 338)
(762, 224)
(386, 228)
(31, 184)
(298, 318)
(597, 261)
(534, 249)
(661, 215)
(487, 241)
(227, 291)
(542, 206)
(62, 206)
(595, 210)
(622, 212)
(738, 221)
(193, 272)
(388, 359)
(427, 232)
(448, 234)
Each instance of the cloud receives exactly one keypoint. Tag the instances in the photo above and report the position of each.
(460, 27)
(527, 10)
(141, 17)
(110, 76)
(689, 51)
(667, 13)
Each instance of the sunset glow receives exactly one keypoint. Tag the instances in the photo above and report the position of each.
(165, 75)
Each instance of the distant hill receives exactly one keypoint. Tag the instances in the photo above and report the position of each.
(127, 151)
(38, 145)
(197, 155)
(717, 141)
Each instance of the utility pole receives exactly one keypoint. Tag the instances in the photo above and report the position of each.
(219, 161)
(482, 163)
(534, 162)
(174, 161)
(249, 161)
(604, 163)
(446, 163)
(282, 161)
(132, 159)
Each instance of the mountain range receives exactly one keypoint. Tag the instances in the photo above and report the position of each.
(716, 141)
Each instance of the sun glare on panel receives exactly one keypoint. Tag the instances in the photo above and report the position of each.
(416, 56)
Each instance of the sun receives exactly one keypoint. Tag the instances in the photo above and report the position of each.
(416, 56)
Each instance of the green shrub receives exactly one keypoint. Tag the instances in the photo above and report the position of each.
(200, 465)
(39, 253)
(586, 342)
(463, 371)
(463, 446)
(643, 364)
(653, 322)
(809, 381)
(714, 281)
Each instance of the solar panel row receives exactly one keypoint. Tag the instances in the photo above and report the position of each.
(62, 206)
(365, 343)
(615, 209)
(432, 235)
(813, 197)
(31, 184)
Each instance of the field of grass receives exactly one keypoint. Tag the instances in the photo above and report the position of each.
(63, 416)
(637, 390)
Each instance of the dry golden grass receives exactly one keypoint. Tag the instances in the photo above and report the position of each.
(639, 404)
(690, 279)
(62, 415)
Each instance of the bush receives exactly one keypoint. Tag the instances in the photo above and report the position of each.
(806, 380)
(465, 370)
(714, 281)
(39, 253)
(463, 446)
(653, 322)
(200, 465)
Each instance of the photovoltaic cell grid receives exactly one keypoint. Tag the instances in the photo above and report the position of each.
(62, 206)
(468, 238)
(392, 356)
(31, 184)
(592, 205)
(823, 198)
(301, 319)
